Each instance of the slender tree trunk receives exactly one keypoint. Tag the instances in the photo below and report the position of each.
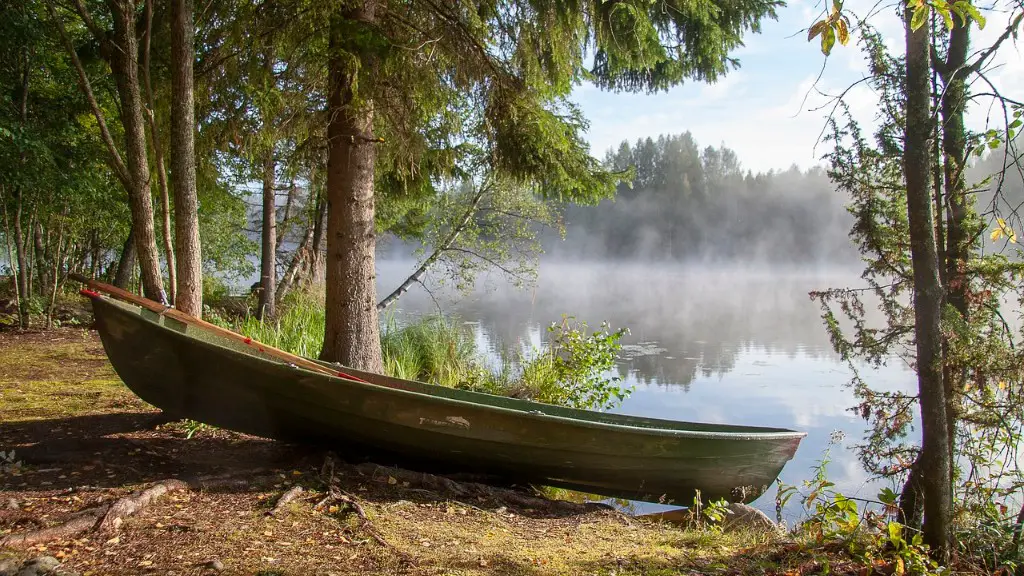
(352, 330)
(124, 63)
(57, 265)
(268, 260)
(8, 238)
(954, 147)
(299, 261)
(23, 272)
(183, 160)
(317, 275)
(441, 248)
(934, 460)
(126, 263)
(41, 265)
(94, 255)
(158, 154)
(289, 202)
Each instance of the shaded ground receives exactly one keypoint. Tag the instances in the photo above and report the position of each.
(84, 439)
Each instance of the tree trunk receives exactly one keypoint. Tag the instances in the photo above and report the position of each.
(299, 262)
(287, 216)
(41, 265)
(268, 260)
(352, 331)
(183, 160)
(954, 148)
(126, 263)
(158, 155)
(124, 63)
(57, 265)
(317, 265)
(23, 271)
(911, 501)
(934, 461)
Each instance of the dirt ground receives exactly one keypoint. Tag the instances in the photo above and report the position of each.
(82, 440)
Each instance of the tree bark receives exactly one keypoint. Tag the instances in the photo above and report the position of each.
(954, 148)
(126, 263)
(934, 459)
(317, 266)
(183, 160)
(23, 271)
(352, 330)
(158, 156)
(299, 262)
(287, 216)
(124, 63)
(41, 266)
(268, 259)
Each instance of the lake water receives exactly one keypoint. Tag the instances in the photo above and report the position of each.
(714, 344)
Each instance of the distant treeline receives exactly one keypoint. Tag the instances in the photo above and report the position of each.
(689, 204)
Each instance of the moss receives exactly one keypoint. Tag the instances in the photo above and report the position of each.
(56, 374)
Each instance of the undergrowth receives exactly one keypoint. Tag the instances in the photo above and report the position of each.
(575, 369)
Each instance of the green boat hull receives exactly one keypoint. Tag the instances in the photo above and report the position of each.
(192, 373)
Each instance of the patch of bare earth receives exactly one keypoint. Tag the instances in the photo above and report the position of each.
(108, 486)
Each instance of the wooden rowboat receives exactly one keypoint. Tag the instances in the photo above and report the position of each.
(192, 370)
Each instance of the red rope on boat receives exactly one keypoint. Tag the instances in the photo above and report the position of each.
(89, 293)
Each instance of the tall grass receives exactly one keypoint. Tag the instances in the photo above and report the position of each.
(299, 329)
(433, 349)
(439, 350)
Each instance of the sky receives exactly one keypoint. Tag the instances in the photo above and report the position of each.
(772, 110)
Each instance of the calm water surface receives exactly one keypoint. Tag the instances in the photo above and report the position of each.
(713, 344)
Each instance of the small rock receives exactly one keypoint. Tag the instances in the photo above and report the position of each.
(744, 517)
(8, 567)
(39, 566)
(215, 565)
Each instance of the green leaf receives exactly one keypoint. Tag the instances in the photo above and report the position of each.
(920, 17)
(828, 40)
(895, 532)
(975, 15)
(947, 17)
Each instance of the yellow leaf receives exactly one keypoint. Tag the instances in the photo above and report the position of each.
(900, 568)
(996, 234)
(816, 29)
(842, 32)
(332, 509)
(1002, 385)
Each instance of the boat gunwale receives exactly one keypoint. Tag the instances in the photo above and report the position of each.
(771, 434)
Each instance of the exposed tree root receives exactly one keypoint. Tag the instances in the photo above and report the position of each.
(442, 485)
(285, 499)
(104, 518)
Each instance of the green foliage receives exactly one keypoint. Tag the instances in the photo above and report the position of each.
(710, 516)
(581, 362)
(433, 349)
(981, 361)
(571, 371)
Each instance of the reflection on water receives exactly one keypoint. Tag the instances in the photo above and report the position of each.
(722, 346)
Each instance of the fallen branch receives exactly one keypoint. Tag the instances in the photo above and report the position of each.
(103, 518)
(285, 499)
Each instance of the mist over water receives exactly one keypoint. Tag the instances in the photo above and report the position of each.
(724, 344)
